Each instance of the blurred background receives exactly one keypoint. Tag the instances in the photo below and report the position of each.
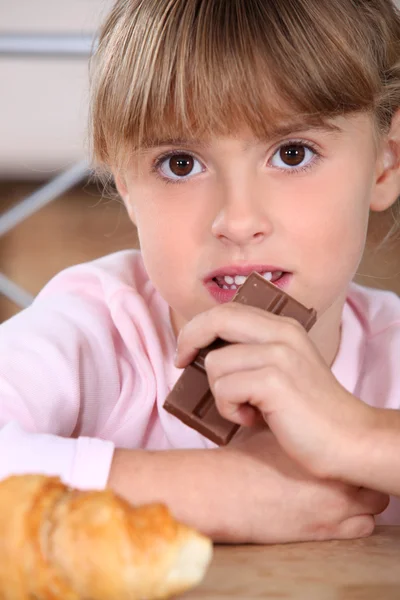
(51, 214)
(44, 49)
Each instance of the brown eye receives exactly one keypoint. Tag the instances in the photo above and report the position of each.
(181, 165)
(178, 168)
(293, 155)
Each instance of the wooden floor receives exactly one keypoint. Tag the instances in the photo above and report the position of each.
(79, 226)
(83, 225)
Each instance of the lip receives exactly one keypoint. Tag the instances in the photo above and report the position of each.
(221, 296)
(245, 270)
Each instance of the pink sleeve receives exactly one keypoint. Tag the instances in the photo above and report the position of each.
(59, 381)
(83, 462)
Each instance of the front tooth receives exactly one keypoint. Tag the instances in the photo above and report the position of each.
(229, 280)
(267, 276)
(240, 279)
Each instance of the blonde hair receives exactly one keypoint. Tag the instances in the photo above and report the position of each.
(173, 69)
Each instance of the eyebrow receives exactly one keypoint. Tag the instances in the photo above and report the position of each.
(298, 126)
(156, 143)
(280, 130)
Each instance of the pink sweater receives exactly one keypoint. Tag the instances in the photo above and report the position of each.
(87, 367)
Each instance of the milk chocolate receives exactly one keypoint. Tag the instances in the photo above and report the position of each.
(191, 399)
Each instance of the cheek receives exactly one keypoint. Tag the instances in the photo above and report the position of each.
(335, 220)
(160, 243)
(168, 244)
(329, 248)
(171, 225)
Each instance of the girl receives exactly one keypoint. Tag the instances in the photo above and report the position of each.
(254, 135)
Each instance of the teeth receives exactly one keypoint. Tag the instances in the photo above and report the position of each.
(232, 283)
(273, 276)
(240, 279)
(267, 276)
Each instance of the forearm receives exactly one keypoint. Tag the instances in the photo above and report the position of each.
(193, 483)
(375, 462)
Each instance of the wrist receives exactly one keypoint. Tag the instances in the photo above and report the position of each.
(347, 439)
(194, 484)
(374, 461)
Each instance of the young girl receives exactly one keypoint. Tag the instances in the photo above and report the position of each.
(242, 135)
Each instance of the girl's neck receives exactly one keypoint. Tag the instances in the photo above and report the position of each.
(326, 333)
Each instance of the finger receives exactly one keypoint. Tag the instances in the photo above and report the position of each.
(235, 322)
(359, 519)
(246, 415)
(370, 501)
(355, 527)
(256, 388)
(248, 357)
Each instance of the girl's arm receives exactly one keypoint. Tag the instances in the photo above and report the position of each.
(58, 383)
(374, 458)
(248, 492)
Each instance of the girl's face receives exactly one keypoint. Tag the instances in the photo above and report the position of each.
(294, 208)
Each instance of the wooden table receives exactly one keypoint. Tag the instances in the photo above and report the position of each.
(366, 569)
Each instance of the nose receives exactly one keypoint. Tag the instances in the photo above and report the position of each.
(242, 216)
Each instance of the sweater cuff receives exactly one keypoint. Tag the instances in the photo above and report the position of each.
(91, 465)
(83, 463)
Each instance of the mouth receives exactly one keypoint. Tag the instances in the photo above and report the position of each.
(233, 282)
(223, 283)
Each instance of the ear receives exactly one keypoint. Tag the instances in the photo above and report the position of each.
(122, 188)
(120, 184)
(387, 188)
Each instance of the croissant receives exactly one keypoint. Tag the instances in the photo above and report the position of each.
(58, 543)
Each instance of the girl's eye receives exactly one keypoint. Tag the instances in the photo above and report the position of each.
(293, 156)
(178, 166)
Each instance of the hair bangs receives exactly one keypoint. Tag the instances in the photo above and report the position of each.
(200, 68)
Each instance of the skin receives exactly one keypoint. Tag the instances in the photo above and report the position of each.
(242, 206)
(242, 210)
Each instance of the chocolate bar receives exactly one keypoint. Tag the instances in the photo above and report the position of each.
(191, 399)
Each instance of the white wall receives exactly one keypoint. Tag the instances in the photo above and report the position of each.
(43, 102)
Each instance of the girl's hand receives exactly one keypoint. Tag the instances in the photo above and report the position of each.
(273, 368)
(289, 504)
